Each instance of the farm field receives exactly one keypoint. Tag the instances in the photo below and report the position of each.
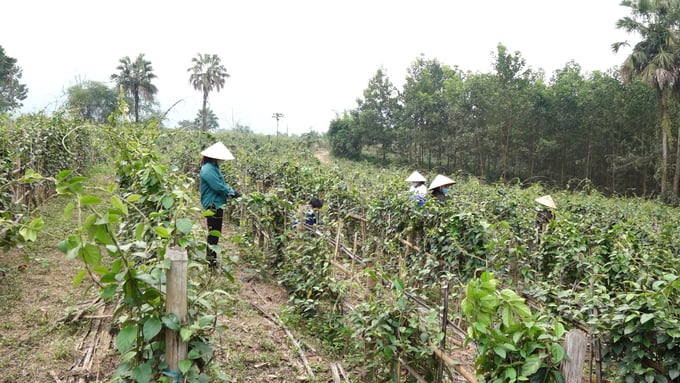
(380, 290)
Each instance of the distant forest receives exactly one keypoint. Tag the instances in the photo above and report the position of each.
(599, 130)
(578, 129)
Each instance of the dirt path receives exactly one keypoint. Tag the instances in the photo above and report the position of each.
(322, 155)
(255, 345)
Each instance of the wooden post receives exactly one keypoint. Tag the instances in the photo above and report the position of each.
(176, 303)
(575, 347)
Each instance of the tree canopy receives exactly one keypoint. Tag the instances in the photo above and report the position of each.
(12, 92)
(135, 80)
(91, 101)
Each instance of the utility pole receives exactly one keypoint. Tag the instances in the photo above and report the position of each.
(277, 116)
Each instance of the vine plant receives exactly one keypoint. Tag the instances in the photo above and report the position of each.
(124, 233)
(513, 344)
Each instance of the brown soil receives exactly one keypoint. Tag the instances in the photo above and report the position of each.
(322, 155)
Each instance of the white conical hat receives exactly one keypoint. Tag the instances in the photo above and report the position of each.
(217, 151)
(440, 180)
(546, 200)
(416, 177)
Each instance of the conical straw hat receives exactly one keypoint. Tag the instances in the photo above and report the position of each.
(546, 200)
(217, 151)
(416, 177)
(440, 180)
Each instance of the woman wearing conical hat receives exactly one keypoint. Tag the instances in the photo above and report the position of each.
(214, 193)
(418, 188)
(544, 213)
(440, 187)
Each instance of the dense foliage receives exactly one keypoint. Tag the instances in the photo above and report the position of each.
(607, 264)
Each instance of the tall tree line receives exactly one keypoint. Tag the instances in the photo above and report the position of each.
(570, 130)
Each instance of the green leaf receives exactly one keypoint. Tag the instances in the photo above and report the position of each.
(89, 200)
(139, 231)
(102, 235)
(79, 277)
(557, 353)
(559, 329)
(171, 321)
(133, 197)
(531, 365)
(68, 209)
(500, 351)
(63, 246)
(126, 338)
(185, 334)
(118, 204)
(644, 318)
(142, 373)
(206, 321)
(109, 291)
(510, 374)
(167, 202)
(162, 232)
(184, 225)
(152, 326)
(673, 374)
(63, 174)
(184, 365)
(92, 255)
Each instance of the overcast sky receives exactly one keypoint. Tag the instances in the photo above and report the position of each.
(305, 59)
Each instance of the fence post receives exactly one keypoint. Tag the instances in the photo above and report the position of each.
(575, 347)
(176, 303)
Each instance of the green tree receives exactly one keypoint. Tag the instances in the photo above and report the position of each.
(478, 107)
(655, 59)
(207, 74)
(240, 128)
(343, 138)
(11, 91)
(425, 110)
(514, 80)
(91, 101)
(377, 111)
(207, 119)
(134, 79)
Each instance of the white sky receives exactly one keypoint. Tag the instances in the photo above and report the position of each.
(305, 59)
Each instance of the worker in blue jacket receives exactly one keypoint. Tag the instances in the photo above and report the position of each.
(214, 193)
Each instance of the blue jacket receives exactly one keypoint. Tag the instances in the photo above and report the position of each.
(214, 191)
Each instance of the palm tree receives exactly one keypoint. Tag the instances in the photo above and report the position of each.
(207, 74)
(655, 60)
(134, 78)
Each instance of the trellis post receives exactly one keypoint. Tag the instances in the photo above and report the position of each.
(176, 303)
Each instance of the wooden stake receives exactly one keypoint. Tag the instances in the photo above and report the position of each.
(176, 303)
(575, 346)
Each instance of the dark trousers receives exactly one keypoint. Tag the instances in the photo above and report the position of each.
(214, 223)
